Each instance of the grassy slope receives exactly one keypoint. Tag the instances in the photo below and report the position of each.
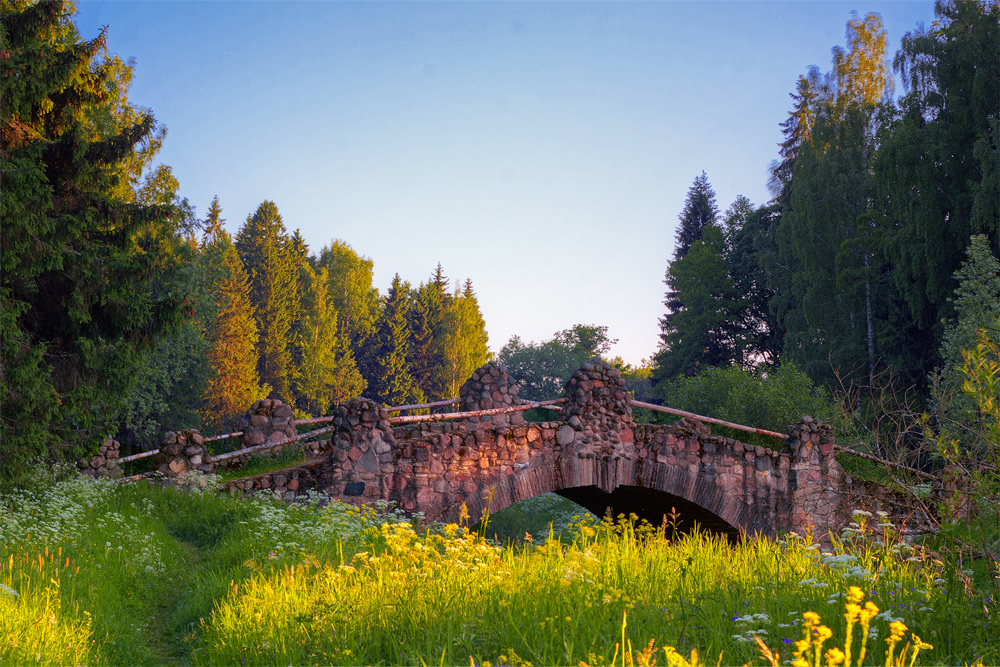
(207, 580)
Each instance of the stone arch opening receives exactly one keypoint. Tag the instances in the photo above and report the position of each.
(653, 506)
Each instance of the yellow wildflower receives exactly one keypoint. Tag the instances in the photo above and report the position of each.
(855, 595)
(834, 657)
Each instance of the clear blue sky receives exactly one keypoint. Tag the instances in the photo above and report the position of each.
(543, 150)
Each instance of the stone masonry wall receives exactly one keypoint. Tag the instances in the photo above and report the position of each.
(182, 452)
(105, 462)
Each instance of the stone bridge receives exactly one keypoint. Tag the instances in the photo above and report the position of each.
(593, 454)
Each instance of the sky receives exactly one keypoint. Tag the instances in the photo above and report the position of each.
(543, 150)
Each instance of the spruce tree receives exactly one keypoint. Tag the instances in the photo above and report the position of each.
(268, 256)
(392, 381)
(232, 337)
(214, 222)
(700, 211)
(87, 274)
(428, 329)
(327, 371)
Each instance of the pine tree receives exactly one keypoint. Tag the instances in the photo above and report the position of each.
(232, 336)
(392, 382)
(87, 274)
(268, 256)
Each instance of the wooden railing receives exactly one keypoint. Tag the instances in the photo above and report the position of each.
(554, 404)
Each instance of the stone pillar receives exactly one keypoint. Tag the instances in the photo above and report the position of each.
(489, 388)
(362, 446)
(182, 452)
(814, 478)
(268, 420)
(598, 414)
(105, 464)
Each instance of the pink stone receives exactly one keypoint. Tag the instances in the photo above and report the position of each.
(354, 454)
(469, 488)
(626, 435)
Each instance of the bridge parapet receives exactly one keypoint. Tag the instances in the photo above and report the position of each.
(816, 476)
(598, 415)
(490, 387)
(362, 449)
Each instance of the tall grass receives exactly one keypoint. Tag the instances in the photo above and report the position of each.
(94, 573)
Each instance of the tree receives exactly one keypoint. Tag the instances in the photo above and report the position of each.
(428, 330)
(937, 162)
(465, 339)
(700, 211)
(214, 222)
(830, 236)
(392, 382)
(272, 264)
(351, 291)
(542, 370)
(977, 312)
(327, 371)
(702, 328)
(87, 274)
(232, 337)
(750, 255)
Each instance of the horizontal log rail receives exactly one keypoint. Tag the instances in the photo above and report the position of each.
(224, 436)
(269, 445)
(710, 420)
(412, 419)
(313, 420)
(420, 406)
(140, 455)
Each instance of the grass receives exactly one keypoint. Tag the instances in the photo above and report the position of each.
(95, 573)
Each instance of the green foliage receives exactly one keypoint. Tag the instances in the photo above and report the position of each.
(203, 579)
(535, 520)
(271, 262)
(542, 370)
(351, 291)
(768, 398)
(464, 344)
(700, 211)
(941, 151)
(701, 329)
(327, 371)
(427, 319)
(231, 333)
(391, 381)
(977, 306)
(88, 273)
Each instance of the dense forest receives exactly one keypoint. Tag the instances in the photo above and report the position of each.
(875, 261)
(123, 312)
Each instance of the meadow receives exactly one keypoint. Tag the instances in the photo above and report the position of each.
(97, 573)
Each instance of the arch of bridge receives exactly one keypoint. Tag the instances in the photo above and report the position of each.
(492, 462)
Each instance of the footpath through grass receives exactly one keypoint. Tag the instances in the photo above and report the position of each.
(93, 573)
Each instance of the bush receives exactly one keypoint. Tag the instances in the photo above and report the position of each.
(765, 398)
